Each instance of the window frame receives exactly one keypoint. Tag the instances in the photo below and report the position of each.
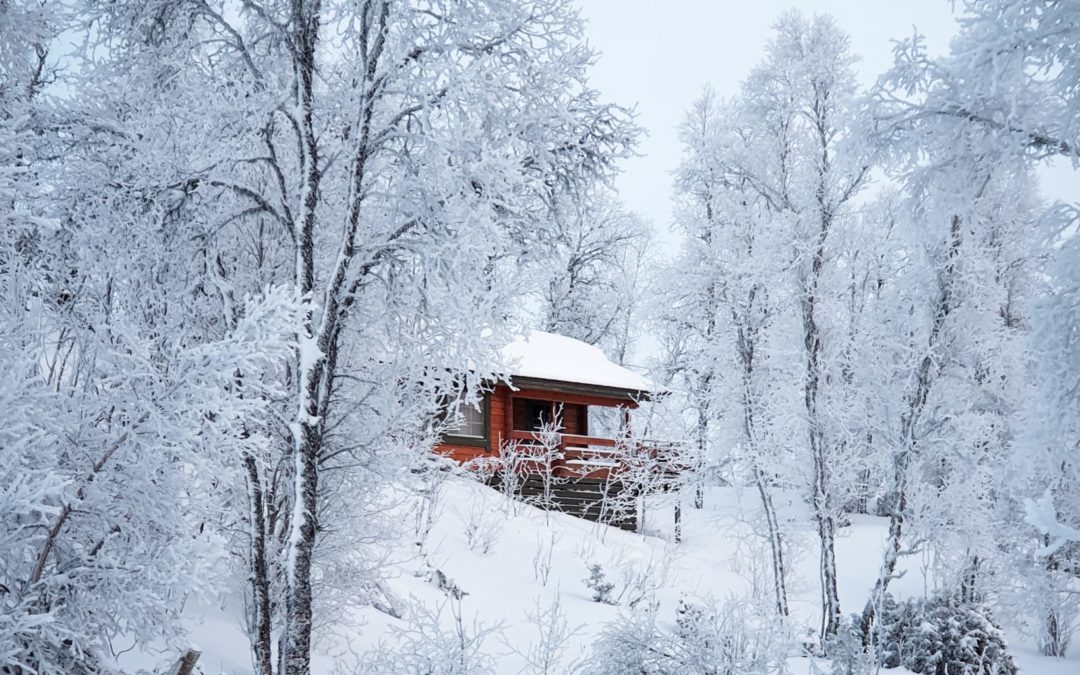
(484, 441)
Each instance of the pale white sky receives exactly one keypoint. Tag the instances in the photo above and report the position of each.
(657, 55)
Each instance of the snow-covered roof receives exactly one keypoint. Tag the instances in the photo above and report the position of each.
(546, 356)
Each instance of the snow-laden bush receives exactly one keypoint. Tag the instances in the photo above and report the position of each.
(942, 634)
(482, 528)
(847, 652)
(549, 653)
(640, 579)
(634, 643)
(431, 644)
(734, 638)
(542, 559)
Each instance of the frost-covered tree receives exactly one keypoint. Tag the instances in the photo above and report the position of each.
(382, 166)
(595, 272)
(689, 311)
(1043, 508)
(807, 83)
(726, 301)
(1048, 453)
(1025, 101)
(969, 194)
(1011, 73)
(122, 414)
(873, 283)
(802, 165)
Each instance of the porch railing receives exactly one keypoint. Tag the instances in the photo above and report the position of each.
(574, 456)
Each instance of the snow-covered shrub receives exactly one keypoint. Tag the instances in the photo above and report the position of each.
(430, 479)
(1045, 603)
(482, 529)
(737, 637)
(547, 654)
(1057, 628)
(545, 453)
(940, 635)
(599, 585)
(640, 580)
(1056, 606)
(428, 647)
(632, 644)
(732, 639)
(505, 469)
(847, 652)
(543, 557)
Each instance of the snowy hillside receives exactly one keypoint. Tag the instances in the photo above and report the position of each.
(506, 588)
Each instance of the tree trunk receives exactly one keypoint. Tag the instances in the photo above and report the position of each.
(678, 520)
(260, 577)
(969, 591)
(702, 445)
(891, 556)
(826, 529)
(862, 500)
(186, 664)
(820, 497)
(307, 428)
(1056, 638)
(1057, 633)
(746, 349)
(776, 542)
(298, 609)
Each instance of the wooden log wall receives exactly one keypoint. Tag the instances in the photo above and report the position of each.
(608, 502)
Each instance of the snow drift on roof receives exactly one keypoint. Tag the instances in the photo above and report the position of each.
(547, 356)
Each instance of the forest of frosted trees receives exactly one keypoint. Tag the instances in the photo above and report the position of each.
(249, 249)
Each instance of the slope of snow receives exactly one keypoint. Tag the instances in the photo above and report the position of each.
(548, 356)
(715, 561)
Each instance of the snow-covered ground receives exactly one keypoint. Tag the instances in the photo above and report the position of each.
(503, 587)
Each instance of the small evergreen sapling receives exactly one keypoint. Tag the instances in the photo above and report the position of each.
(599, 585)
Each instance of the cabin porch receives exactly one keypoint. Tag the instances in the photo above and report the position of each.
(573, 435)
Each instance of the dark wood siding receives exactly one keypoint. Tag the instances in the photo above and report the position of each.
(576, 419)
(521, 415)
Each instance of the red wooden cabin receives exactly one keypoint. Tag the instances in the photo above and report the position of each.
(563, 408)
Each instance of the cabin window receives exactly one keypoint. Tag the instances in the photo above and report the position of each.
(471, 424)
(532, 415)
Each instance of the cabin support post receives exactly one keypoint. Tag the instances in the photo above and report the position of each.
(508, 417)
